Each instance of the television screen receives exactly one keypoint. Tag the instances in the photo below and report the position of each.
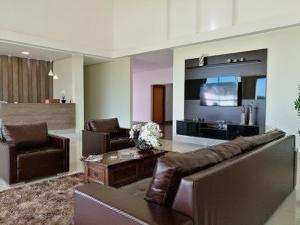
(219, 94)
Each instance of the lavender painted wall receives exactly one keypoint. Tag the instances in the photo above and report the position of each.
(141, 92)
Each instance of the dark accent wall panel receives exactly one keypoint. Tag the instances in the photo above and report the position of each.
(25, 80)
(10, 80)
(1, 80)
(4, 68)
(25, 83)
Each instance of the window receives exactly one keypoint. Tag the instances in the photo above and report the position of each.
(260, 88)
(223, 79)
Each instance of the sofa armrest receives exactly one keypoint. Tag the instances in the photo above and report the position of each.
(8, 162)
(99, 204)
(94, 143)
(61, 143)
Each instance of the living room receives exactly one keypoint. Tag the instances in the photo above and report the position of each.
(93, 50)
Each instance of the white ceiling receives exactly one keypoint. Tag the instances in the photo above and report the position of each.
(90, 60)
(39, 53)
(13, 49)
(152, 60)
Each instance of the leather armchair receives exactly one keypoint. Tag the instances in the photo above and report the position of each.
(105, 135)
(27, 152)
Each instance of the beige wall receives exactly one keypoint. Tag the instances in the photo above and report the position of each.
(70, 82)
(77, 26)
(283, 73)
(108, 91)
(143, 25)
(63, 68)
(116, 28)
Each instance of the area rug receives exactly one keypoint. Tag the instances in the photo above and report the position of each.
(47, 202)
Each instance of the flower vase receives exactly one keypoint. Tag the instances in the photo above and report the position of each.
(251, 117)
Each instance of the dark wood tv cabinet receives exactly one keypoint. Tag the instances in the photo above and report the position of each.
(214, 130)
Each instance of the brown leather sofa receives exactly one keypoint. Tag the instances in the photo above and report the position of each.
(240, 182)
(28, 152)
(104, 135)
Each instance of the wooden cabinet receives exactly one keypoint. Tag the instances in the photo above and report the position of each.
(213, 130)
(119, 172)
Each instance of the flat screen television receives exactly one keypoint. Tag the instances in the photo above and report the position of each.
(219, 94)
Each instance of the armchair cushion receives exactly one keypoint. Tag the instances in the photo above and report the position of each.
(105, 125)
(26, 136)
(40, 162)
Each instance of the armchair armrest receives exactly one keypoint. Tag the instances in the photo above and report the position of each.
(99, 204)
(61, 143)
(94, 143)
(8, 162)
(124, 132)
(58, 141)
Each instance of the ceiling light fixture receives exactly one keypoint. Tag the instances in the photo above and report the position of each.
(51, 74)
(55, 77)
(25, 53)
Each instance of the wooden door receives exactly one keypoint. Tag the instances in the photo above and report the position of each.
(158, 104)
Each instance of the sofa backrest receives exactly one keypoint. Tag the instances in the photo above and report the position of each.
(170, 169)
(26, 136)
(104, 125)
(243, 190)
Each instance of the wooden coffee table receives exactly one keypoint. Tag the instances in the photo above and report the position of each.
(122, 167)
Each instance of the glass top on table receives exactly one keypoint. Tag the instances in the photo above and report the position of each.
(126, 155)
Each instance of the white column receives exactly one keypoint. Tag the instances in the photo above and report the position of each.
(78, 89)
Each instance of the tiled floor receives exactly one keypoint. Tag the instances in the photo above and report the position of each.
(287, 214)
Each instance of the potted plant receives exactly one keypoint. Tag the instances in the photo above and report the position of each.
(63, 99)
(297, 102)
(146, 137)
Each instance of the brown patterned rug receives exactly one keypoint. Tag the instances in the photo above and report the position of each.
(47, 202)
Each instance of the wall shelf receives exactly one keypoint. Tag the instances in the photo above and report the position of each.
(226, 64)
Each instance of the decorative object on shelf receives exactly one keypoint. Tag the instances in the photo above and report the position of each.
(93, 158)
(63, 98)
(146, 137)
(243, 115)
(297, 102)
(196, 119)
(229, 60)
(251, 114)
(235, 60)
(242, 59)
(202, 61)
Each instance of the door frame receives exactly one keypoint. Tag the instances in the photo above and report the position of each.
(164, 99)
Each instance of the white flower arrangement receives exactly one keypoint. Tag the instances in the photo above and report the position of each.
(146, 136)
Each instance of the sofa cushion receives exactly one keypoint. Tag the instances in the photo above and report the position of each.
(120, 143)
(171, 168)
(265, 138)
(27, 135)
(232, 148)
(105, 125)
(138, 188)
